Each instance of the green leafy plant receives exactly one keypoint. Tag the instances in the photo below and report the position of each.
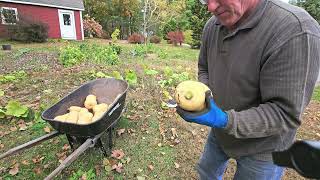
(21, 52)
(2, 113)
(14, 108)
(114, 35)
(131, 77)
(1, 93)
(71, 55)
(168, 72)
(174, 79)
(162, 54)
(150, 72)
(106, 55)
(89, 175)
(142, 50)
(117, 75)
(116, 48)
(13, 77)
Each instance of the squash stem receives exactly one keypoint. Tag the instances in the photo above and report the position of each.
(188, 95)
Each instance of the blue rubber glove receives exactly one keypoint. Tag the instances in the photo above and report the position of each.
(212, 116)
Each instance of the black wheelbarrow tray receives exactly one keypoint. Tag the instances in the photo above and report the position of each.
(107, 90)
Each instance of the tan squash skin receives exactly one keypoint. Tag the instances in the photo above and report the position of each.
(190, 95)
(90, 102)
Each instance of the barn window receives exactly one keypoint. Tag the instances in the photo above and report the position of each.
(67, 19)
(9, 15)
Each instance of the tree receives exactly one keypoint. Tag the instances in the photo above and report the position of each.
(312, 7)
(111, 14)
(198, 16)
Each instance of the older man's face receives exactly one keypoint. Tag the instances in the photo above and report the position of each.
(229, 12)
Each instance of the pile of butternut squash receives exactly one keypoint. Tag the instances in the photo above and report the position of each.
(91, 112)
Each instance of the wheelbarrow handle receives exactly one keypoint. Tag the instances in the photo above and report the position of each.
(89, 143)
(29, 144)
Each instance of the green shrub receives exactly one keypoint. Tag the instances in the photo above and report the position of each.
(115, 34)
(188, 37)
(28, 30)
(155, 39)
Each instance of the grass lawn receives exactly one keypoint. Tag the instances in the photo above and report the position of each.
(156, 143)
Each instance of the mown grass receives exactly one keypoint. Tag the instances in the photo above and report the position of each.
(316, 94)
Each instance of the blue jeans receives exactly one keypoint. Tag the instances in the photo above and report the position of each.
(213, 163)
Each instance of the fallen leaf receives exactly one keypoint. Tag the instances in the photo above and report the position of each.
(56, 141)
(174, 132)
(46, 166)
(120, 131)
(194, 132)
(14, 169)
(61, 156)
(37, 170)
(159, 144)
(13, 128)
(83, 177)
(98, 170)
(25, 162)
(118, 154)
(22, 127)
(37, 159)
(118, 167)
(66, 147)
(47, 129)
(176, 141)
(150, 167)
(318, 134)
(1, 146)
(29, 123)
(1, 133)
(176, 165)
(131, 130)
(140, 178)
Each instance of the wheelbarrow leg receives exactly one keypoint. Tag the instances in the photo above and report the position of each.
(110, 138)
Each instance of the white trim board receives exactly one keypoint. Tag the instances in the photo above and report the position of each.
(81, 23)
(40, 4)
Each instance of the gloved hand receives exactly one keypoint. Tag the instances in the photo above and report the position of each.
(212, 116)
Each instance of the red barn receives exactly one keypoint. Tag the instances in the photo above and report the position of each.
(63, 17)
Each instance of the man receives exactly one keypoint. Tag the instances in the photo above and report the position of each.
(260, 58)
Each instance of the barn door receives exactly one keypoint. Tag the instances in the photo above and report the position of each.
(67, 24)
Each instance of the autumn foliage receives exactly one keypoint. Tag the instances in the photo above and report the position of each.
(155, 39)
(92, 28)
(175, 37)
(136, 38)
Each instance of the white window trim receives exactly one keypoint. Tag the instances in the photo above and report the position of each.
(9, 8)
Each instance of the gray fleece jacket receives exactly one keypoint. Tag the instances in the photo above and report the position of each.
(262, 74)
